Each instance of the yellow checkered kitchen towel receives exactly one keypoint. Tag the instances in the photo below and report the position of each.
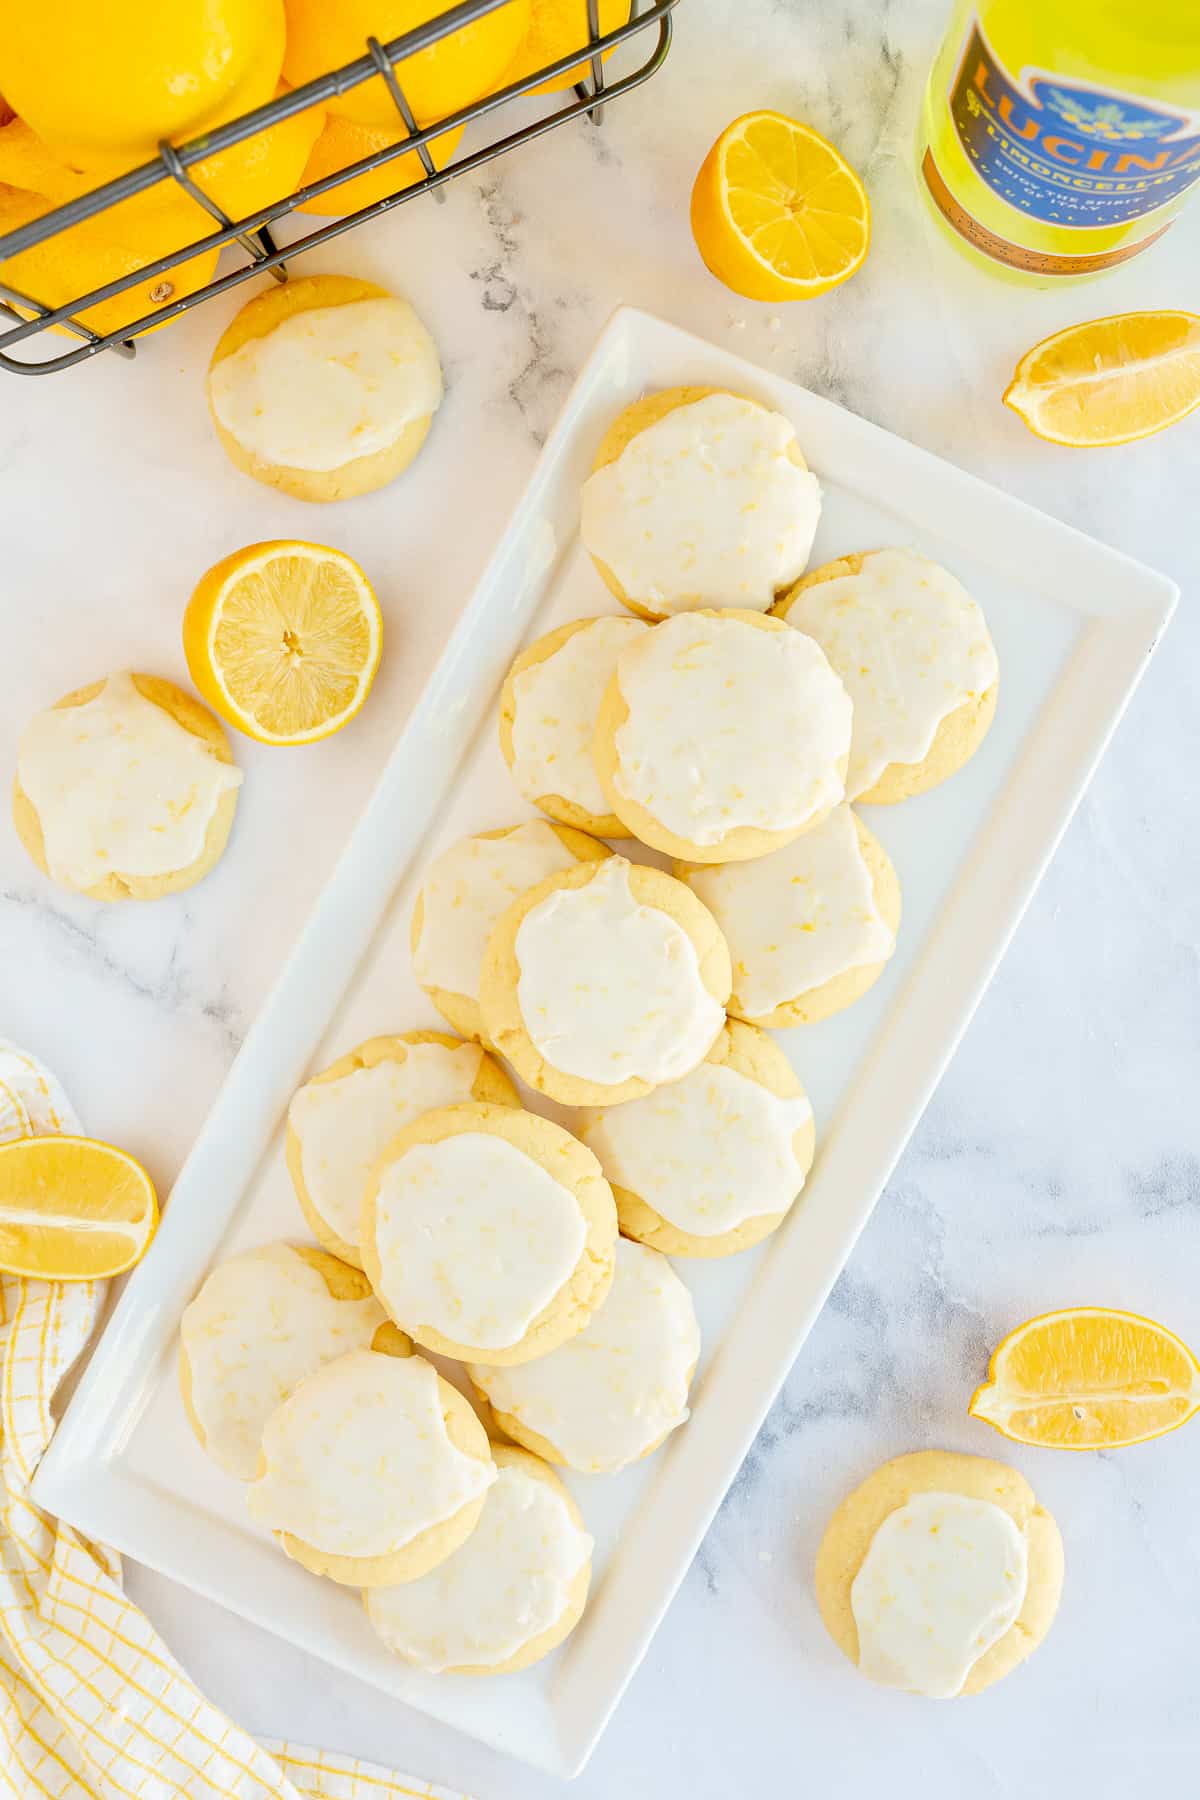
(92, 1704)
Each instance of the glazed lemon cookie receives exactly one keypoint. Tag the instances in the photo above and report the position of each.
(613, 1393)
(125, 790)
(548, 709)
(324, 387)
(940, 1573)
(698, 498)
(341, 1121)
(913, 649)
(810, 927)
(489, 1231)
(719, 739)
(710, 1164)
(373, 1470)
(260, 1323)
(513, 1592)
(603, 982)
(466, 891)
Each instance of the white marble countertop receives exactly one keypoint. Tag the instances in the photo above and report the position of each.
(1060, 1160)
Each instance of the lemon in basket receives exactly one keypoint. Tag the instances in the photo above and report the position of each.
(436, 81)
(72, 1209)
(102, 85)
(343, 142)
(556, 27)
(283, 640)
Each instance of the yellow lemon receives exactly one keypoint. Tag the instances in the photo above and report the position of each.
(343, 142)
(283, 640)
(98, 251)
(436, 81)
(1088, 1378)
(72, 1209)
(556, 27)
(102, 85)
(777, 213)
(1111, 380)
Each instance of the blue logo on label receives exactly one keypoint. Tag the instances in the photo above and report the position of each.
(1067, 153)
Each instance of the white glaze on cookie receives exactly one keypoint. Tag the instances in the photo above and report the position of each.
(707, 1152)
(555, 719)
(509, 1583)
(943, 1579)
(474, 1239)
(911, 646)
(797, 917)
(119, 787)
(329, 384)
(611, 989)
(730, 726)
(358, 1460)
(704, 508)
(344, 1125)
(610, 1393)
(465, 892)
(262, 1322)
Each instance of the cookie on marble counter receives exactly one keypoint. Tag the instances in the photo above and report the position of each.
(125, 789)
(940, 1573)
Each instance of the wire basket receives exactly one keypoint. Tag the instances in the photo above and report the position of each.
(649, 21)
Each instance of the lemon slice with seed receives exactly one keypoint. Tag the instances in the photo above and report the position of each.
(72, 1209)
(1089, 1378)
(283, 640)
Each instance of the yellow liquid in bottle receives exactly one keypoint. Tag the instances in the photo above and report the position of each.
(1060, 137)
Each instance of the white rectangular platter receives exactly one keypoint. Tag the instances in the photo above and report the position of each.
(1074, 624)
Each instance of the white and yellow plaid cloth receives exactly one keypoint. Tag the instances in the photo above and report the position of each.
(92, 1704)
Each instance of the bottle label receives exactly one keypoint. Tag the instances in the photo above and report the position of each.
(1069, 153)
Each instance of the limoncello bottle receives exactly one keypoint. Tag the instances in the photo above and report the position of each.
(1060, 137)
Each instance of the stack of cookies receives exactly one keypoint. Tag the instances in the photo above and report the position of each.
(723, 725)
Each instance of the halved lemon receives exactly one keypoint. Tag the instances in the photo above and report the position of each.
(777, 213)
(72, 1209)
(1110, 380)
(283, 640)
(1088, 1378)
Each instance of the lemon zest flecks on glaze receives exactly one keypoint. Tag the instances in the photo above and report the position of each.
(262, 1322)
(911, 645)
(707, 1152)
(329, 384)
(557, 700)
(120, 787)
(730, 726)
(508, 1584)
(345, 1125)
(358, 1459)
(943, 1579)
(797, 917)
(465, 892)
(474, 1239)
(610, 989)
(704, 508)
(612, 1392)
